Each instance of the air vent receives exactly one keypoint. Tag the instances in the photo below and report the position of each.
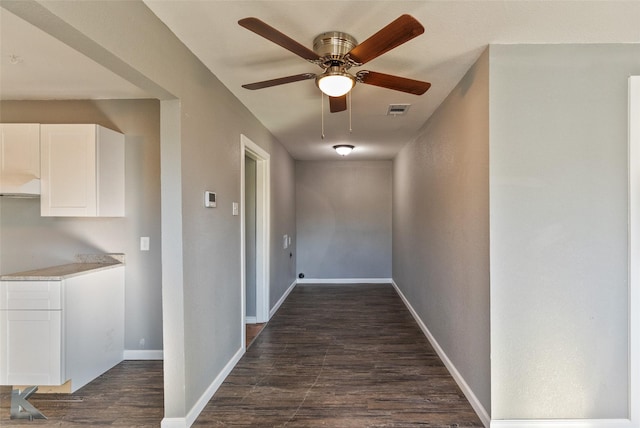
(397, 109)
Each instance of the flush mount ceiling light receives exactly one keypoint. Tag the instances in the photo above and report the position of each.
(343, 149)
(335, 82)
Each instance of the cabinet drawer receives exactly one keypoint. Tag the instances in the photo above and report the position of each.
(30, 295)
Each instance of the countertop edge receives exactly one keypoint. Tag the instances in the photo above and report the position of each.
(58, 273)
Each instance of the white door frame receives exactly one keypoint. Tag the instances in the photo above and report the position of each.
(263, 186)
(634, 250)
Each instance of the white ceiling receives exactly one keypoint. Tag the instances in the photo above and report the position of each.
(34, 65)
(456, 34)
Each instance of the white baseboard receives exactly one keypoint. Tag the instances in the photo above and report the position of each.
(563, 423)
(282, 299)
(174, 423)
(250, 320)
(204, 398)
(345, 281)
(473, 400)
(143, 354)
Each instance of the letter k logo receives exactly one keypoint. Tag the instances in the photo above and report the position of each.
(21, 408)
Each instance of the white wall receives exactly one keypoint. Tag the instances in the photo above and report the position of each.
(441, 229)
(29, 241)
(344, 219)
(200, 150)
(558, 151)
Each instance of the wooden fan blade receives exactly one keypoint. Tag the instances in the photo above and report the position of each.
(403, 29)
(396, 83)
(337, 104)
(270, 33)
(279, 81)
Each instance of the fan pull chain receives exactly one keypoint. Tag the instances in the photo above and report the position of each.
(349, 100)
(322, 115)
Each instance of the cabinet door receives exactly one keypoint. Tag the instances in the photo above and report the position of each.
(19, 158)
(31, 347)
(68, 170)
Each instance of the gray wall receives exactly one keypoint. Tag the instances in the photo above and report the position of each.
(250, 234)
(201, 124)
(559, 230)
(28, 241)
(283, 222)
(441, 227)
(344, 219)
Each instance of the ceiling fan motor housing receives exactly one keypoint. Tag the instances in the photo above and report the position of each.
(332, 46)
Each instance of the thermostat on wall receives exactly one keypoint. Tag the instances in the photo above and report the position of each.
(209, 199)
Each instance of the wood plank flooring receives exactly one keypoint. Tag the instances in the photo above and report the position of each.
(340, 356)
(333, 356)
(129, 395)
(252, 331)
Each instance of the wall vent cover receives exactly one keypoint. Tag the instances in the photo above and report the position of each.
(397, 109)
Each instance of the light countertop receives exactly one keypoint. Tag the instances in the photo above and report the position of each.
(85, 264)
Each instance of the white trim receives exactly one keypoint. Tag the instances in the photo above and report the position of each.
(250, 320)
(143, 354)
(466, 390)
(282, 299)
(197, 408)
(634, 250)
(263, 198)
(345, 281)
(173, 423)
(562, 423)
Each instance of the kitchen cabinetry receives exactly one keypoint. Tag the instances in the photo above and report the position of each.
(20, 159)
(82, 170)
(55, 330)
(31, 332)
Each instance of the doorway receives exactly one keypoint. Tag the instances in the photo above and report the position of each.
(255, 185)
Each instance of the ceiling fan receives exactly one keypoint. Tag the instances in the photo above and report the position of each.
(336, 52)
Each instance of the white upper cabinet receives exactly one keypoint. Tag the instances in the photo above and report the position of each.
(82, 170)
(20, 159)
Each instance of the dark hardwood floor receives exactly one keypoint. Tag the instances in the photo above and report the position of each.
(129, 395)
(340, 356)
(252, 331)
(333, 356)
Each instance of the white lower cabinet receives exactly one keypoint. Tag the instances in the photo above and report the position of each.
(38, 336)
(55, 331)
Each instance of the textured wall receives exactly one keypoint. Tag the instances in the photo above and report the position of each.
(344, 219)
(441, 227)
(29, 241)
(559, 230)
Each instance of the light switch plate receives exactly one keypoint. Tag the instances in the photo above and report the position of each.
(144, 243)
(235, 208)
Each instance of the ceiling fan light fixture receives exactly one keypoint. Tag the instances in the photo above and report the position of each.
(335, 83)
(343, 149)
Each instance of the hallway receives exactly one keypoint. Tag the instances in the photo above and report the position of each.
(340, 356)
